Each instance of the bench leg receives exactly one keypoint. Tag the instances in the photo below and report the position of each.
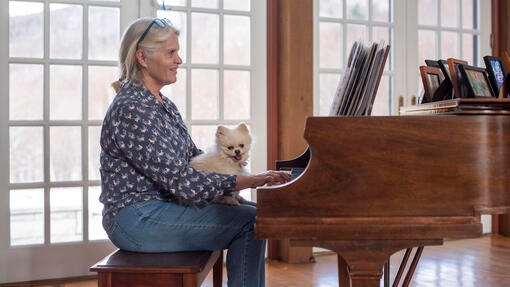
(218, 271)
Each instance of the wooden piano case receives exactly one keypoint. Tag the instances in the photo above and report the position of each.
(376, 185)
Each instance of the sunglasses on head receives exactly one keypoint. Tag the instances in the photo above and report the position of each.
(161, 22)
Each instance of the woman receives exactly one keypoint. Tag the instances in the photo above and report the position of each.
(144, 167)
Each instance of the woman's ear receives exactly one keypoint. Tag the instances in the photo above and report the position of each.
(141, 58)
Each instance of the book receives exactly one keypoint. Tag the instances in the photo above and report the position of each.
(358, 85)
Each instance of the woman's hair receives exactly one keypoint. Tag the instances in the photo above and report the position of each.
(155, 36)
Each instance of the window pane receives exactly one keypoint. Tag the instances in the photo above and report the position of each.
(382, 101)
(204, 3)
(94, 150)
(65, 153)
(27, 216)
(331, 8)
(66, 214)
(204, 38)
(381, 11)
(427, 45)
(96, 230)
(203, 136)
(469, 19)
(26, 92)
(240, 5)
(328, 87)
(204, 94)
(165, 4)
(104, 33)
(330, 45)
(66, 31)
(355, 33)
(429, 18)
(26, 29)
(26, 156)
(449, 13)
(237, 95)
(176, 92)
(381, 34)
(449, 44)
(468, 48)
(100, 91)
(65, 92)
(237, 40)
(179, 20)
(357, 9)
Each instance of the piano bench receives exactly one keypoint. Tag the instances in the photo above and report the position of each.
(187, 269)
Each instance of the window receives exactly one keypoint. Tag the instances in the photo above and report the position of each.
(60, 61)
(416, 30)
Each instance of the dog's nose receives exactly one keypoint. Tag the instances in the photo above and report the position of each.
(237, 152)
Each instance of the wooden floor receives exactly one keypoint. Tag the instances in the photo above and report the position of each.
(480, 262)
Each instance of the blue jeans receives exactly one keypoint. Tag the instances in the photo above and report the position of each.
(157, 226)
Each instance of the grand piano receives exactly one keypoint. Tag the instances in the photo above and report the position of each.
(375, 185)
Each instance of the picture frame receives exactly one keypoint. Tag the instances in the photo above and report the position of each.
(496, 72)
(431, 77)
(476, 81)
(443, 65)
(432, 63)
(458, 82)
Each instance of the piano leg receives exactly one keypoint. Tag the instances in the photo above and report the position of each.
(343, 272)
(387, 273)
(363, 260)
(412, 268)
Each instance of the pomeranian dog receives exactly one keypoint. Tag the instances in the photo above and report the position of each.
(228, 155)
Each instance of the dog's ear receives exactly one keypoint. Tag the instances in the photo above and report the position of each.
(243, 128)
(220, 131)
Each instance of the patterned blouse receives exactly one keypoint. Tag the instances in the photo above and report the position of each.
(145, 153)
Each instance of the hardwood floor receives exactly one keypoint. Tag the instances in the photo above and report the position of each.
(480, 262)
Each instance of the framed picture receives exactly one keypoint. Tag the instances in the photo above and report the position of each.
(432, 63)
(443, 65)
(476, 82)
(496, 72)
(432, 77)
(459, 88)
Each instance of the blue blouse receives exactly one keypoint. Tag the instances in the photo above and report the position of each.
(145, 150)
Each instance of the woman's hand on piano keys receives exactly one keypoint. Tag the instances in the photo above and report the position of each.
(269, 177)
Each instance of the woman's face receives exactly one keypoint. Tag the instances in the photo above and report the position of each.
(161, 66)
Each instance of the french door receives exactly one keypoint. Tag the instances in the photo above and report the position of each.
(57, 70)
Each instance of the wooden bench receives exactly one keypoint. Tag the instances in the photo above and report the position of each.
(187, 269)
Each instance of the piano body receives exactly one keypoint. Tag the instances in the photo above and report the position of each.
(377, 185)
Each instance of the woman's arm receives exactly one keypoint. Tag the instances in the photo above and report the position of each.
(269, 177)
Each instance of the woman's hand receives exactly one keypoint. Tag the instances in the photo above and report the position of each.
(269, 177)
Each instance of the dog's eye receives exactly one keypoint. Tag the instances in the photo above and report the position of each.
(230, 147)
(241, 145)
